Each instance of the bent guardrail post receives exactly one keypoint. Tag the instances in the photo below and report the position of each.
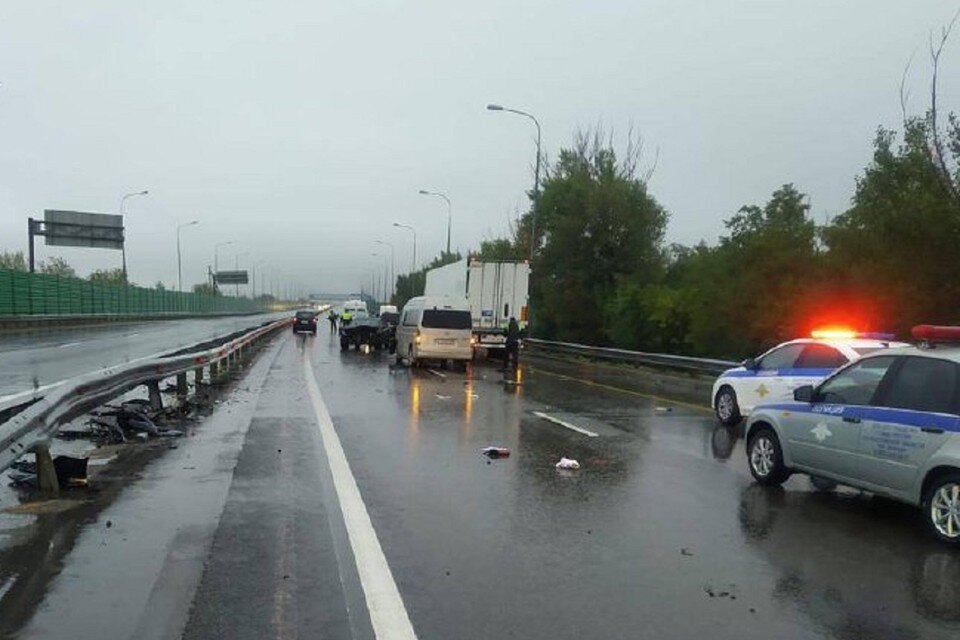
(153, 389)
(47, 481)
(182, 385)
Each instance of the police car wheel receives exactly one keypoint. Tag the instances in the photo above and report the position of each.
(943, 508)
(765, 458)
(728, 411)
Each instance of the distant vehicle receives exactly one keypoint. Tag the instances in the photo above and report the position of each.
(495, 292)
(387, 308)
(435, 328)
(774, 375)
(356, 309)
(305, 321)
(888, 423)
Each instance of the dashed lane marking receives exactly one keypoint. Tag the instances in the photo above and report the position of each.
(388, 615)
(563, 423)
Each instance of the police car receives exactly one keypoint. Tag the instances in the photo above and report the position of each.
(775, 374)
(888, 423)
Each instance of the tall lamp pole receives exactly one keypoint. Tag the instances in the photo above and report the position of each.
(393, 267)
(424, 192)
(179, 268)
(236, 267)
(123, 250)
(406, 226)
(536, 176)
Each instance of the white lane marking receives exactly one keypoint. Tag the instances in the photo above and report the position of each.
(67, 344)
(387, 613)
(437, 373)
(562, 423)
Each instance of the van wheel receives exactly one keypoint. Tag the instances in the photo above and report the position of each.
(765, 457)
(942, 504)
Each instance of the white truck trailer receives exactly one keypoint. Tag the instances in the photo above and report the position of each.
(496, 291)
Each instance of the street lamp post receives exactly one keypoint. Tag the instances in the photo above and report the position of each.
(423, 192)
(406, 226)
(393, 267)
(386, 273)
(179, 269)
(123, 249)
(216, 261)
(236, 267)
(536, 177)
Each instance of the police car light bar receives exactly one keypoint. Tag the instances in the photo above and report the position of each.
(934, 333)
(847, 334)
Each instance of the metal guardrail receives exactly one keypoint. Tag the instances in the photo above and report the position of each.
(686, 363)
(38, 423)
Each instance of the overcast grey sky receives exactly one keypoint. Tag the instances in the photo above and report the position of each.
(302, 130)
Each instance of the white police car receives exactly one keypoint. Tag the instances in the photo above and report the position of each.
(888, 423)
(774, 375)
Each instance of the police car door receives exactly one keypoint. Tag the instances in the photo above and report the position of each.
(915, 410)
(825, 436)
(770, 380)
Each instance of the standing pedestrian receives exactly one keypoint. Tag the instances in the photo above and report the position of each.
(513, 344)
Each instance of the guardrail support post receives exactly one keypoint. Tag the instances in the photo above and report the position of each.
(156, 401)
(182, 385)
(198, 377)
(46, 472)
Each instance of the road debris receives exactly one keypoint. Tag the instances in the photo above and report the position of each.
(440, 397)
(496, 452)
(71, 472)
(568, 464)
(663, 409)
(685, 552)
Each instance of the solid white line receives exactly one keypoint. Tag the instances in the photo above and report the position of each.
(67, 344)
(437, 373)
(560, 422)
(387, 613)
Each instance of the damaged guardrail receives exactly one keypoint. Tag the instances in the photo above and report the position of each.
(686, 363)
(31, 429)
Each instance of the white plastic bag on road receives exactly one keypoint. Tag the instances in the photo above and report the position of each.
(568, 463)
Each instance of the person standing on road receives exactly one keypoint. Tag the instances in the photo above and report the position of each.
(513, 343)
(332, 317)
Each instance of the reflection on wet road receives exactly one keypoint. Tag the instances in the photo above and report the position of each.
(660, 534)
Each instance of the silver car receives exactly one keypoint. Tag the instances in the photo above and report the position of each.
(888, 423)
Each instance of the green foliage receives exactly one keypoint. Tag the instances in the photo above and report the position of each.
(500, 249)
(57, 266)
(110, 276)
(601, 229)
(13, 260)
(160, 286)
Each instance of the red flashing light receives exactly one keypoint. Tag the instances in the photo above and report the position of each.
(834, 333)
(935, 333)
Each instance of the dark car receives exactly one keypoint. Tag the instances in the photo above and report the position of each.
(305, 321)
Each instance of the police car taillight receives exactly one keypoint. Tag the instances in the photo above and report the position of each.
(934, 333)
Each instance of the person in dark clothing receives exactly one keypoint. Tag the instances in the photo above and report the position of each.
(332, 317)
(513, 343)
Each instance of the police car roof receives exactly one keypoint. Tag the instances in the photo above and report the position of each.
(853, 343)
(949, 351)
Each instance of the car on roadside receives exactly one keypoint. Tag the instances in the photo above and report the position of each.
(774, 375)
(305, 321)
(888, 423)
(435, 328)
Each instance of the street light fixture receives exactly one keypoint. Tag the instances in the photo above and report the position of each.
(536, 178)
(406, 226)
(179, 269)
(123, 249)
(424, 192)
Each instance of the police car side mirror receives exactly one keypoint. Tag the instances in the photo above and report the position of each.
(749, 363)
(804, 393)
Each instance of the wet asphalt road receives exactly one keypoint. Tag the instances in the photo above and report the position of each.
(30, 360)
(661, 534)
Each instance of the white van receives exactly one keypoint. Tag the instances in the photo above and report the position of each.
(435, 328)
(356, 308)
